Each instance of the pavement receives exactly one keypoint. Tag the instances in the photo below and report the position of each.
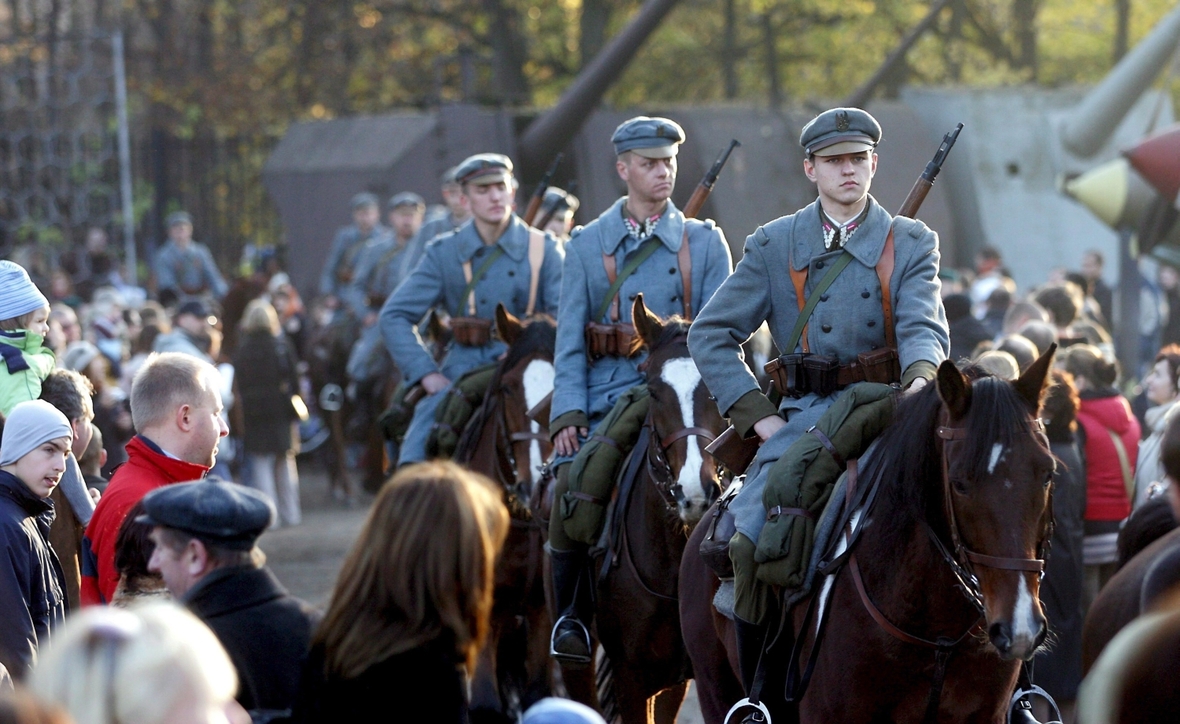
(307, 557)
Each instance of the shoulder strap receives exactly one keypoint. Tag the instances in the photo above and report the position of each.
(1124, 463)
(608, 262)
(684, 261)
(468, 299)
(884, 274)
(536, 258)
(805, 313)
(799, 280)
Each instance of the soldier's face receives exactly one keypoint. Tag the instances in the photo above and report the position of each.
(490, 203)
(561, 224)
(844, 179)
(406, 220)
(181, 233)
(648, 179)
(365, 217)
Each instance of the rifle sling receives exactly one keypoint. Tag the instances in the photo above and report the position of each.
(466, 300)
(683, 260)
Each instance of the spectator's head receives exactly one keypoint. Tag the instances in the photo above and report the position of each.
(1062, 301)
(21, 707)
(1149, 692)
(1162, 384)
(201, 526)
(561, 711)
(999, 302)
(1022, 350)
(96, 240)
(180, 228)
(958, 306)
(998, 364)
(71, 393)
(1168, 277)
(176, 403)
(1041, 334)
(157, 664)
(1092, 264)
(1089, 367)
(366, 211)
(193, 317)
(406, 211)
(22, 305)
(37, 439)
(133, 552)
(143, 342)
(260, 316)
(987, 260)
(1020, 314)
(1170, 458)
(1060, 410)
(403, 584)
(90, 462)
(86, 359)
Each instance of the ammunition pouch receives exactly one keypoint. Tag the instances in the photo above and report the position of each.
(609, 340)
(395, 421)
(471, 331)
(715, 547)
(796, 375)
(456, 409)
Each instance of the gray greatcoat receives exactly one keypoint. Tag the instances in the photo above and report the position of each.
(847, 321)
(341, 261)
(438, 281)
(584, 391)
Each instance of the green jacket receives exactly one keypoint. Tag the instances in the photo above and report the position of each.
(26, 363)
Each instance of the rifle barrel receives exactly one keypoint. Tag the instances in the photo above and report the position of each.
(701, 193)
(913, 201)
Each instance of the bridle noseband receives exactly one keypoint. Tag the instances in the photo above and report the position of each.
(658, 467)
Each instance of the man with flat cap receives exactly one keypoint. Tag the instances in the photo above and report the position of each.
(680, 264)
(205, 536)
(495, 259)
(340, 266)
(184, 268)
(846, 240)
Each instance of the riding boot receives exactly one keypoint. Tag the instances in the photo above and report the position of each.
(751, 638)
(570, 640)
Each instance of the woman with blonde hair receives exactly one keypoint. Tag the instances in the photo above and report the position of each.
(267, 379)
(156, 664)
(412, 602)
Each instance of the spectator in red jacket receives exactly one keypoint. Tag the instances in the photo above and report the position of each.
(1111, 441)
(176, 409)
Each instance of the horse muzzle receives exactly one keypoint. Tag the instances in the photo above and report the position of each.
(1019, 641)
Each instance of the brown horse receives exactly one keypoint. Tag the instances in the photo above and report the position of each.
(638, 620)
(931, 602)
(500, 441)
(327, 358)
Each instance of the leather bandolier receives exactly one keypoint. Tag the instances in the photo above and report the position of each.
(472, 331)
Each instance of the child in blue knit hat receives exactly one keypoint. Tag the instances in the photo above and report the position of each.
(24, 322)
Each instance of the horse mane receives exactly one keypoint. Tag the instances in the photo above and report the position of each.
(907, 457)
(539, 334)
(674, 327)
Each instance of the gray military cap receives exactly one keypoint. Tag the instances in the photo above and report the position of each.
(840, 130)
(649, 137)
(224, 514)
(557, 200)
(448, 177)
(483, 169)
(179, 217)
(364, 199)
(405, 198)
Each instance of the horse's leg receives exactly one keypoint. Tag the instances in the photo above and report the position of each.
(339, 474)
(665, 706)
(486, 706)
(537, 625)
(708, 636)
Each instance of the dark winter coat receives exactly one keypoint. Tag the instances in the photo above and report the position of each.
(264, 367)
(1059, 669)
(265, 631)
(32, 589)
(421, 685)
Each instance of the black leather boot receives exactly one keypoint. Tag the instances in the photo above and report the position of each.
(751, 637)
(570, 641)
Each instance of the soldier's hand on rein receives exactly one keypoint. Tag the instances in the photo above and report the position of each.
(768, 426)
(566, 441)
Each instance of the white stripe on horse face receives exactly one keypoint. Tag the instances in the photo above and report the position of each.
(682, 375)
(996, 457)
(538, 382)
(1024, 619)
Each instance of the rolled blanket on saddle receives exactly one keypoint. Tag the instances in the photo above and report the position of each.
(800, 482)
(457, 408)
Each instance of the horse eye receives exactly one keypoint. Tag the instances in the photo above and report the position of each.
(1048, 479)
(959, 485)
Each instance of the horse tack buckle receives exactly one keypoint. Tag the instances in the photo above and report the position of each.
(760, 714)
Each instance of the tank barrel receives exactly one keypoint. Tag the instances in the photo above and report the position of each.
(551, 131)
(1097, 116)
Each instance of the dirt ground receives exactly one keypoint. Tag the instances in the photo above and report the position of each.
(307, 557)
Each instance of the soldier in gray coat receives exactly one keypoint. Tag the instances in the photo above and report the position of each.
(588, 383)
(184, 268)
(495, 249)
(457, 212)
(340, 265)
(848, 319)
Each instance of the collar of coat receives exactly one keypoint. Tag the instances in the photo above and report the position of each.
(514, 241)
(12, 488)
(226, 590)
(866, 245)
(612, 230)
(145, 453)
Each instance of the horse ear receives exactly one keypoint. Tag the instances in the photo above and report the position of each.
(1032, 384)
(647, 325)
(954, 389)
(507, 325)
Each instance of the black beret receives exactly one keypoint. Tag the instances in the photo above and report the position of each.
(224, 514)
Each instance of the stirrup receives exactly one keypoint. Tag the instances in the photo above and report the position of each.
(1018, 700)
(569, 658)
(759, 709)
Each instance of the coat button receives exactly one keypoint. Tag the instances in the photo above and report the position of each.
(819, 265)
(674, 298)
(823, 297)
(872, 323)
(511, 273)
(826, 328)
(864, 294)
(672, 270)
(632, 297)
(483, 277)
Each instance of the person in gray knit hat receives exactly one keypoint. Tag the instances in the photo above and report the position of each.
(37, 438)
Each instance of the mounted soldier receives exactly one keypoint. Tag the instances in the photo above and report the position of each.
(642, 243)
(832, 317)
(184, 268)
(496, 258)
(340, 266)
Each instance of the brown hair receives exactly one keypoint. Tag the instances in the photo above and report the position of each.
(1086, 360)
(1171, 353)
(1060, 410)
(21, 707)
(21, 322)
(422, 568)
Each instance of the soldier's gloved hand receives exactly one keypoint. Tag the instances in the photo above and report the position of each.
(434, 383)
(768, 426)
(565, 443)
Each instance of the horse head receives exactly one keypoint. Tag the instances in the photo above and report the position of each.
(682, 414)
(996, 496)
(526, 378)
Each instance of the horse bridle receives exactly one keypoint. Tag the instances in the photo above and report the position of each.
(658, 467)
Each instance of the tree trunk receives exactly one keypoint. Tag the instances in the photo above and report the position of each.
(729, 51)
(509, 52)
(774, 91)
(592, 29)
(1122, 10)
(1024, 18)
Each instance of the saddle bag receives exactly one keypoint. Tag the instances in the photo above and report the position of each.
(395, 421)
(471, 331)
(715, 547)
(609, 340)
(596, 467)
(456, 409)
